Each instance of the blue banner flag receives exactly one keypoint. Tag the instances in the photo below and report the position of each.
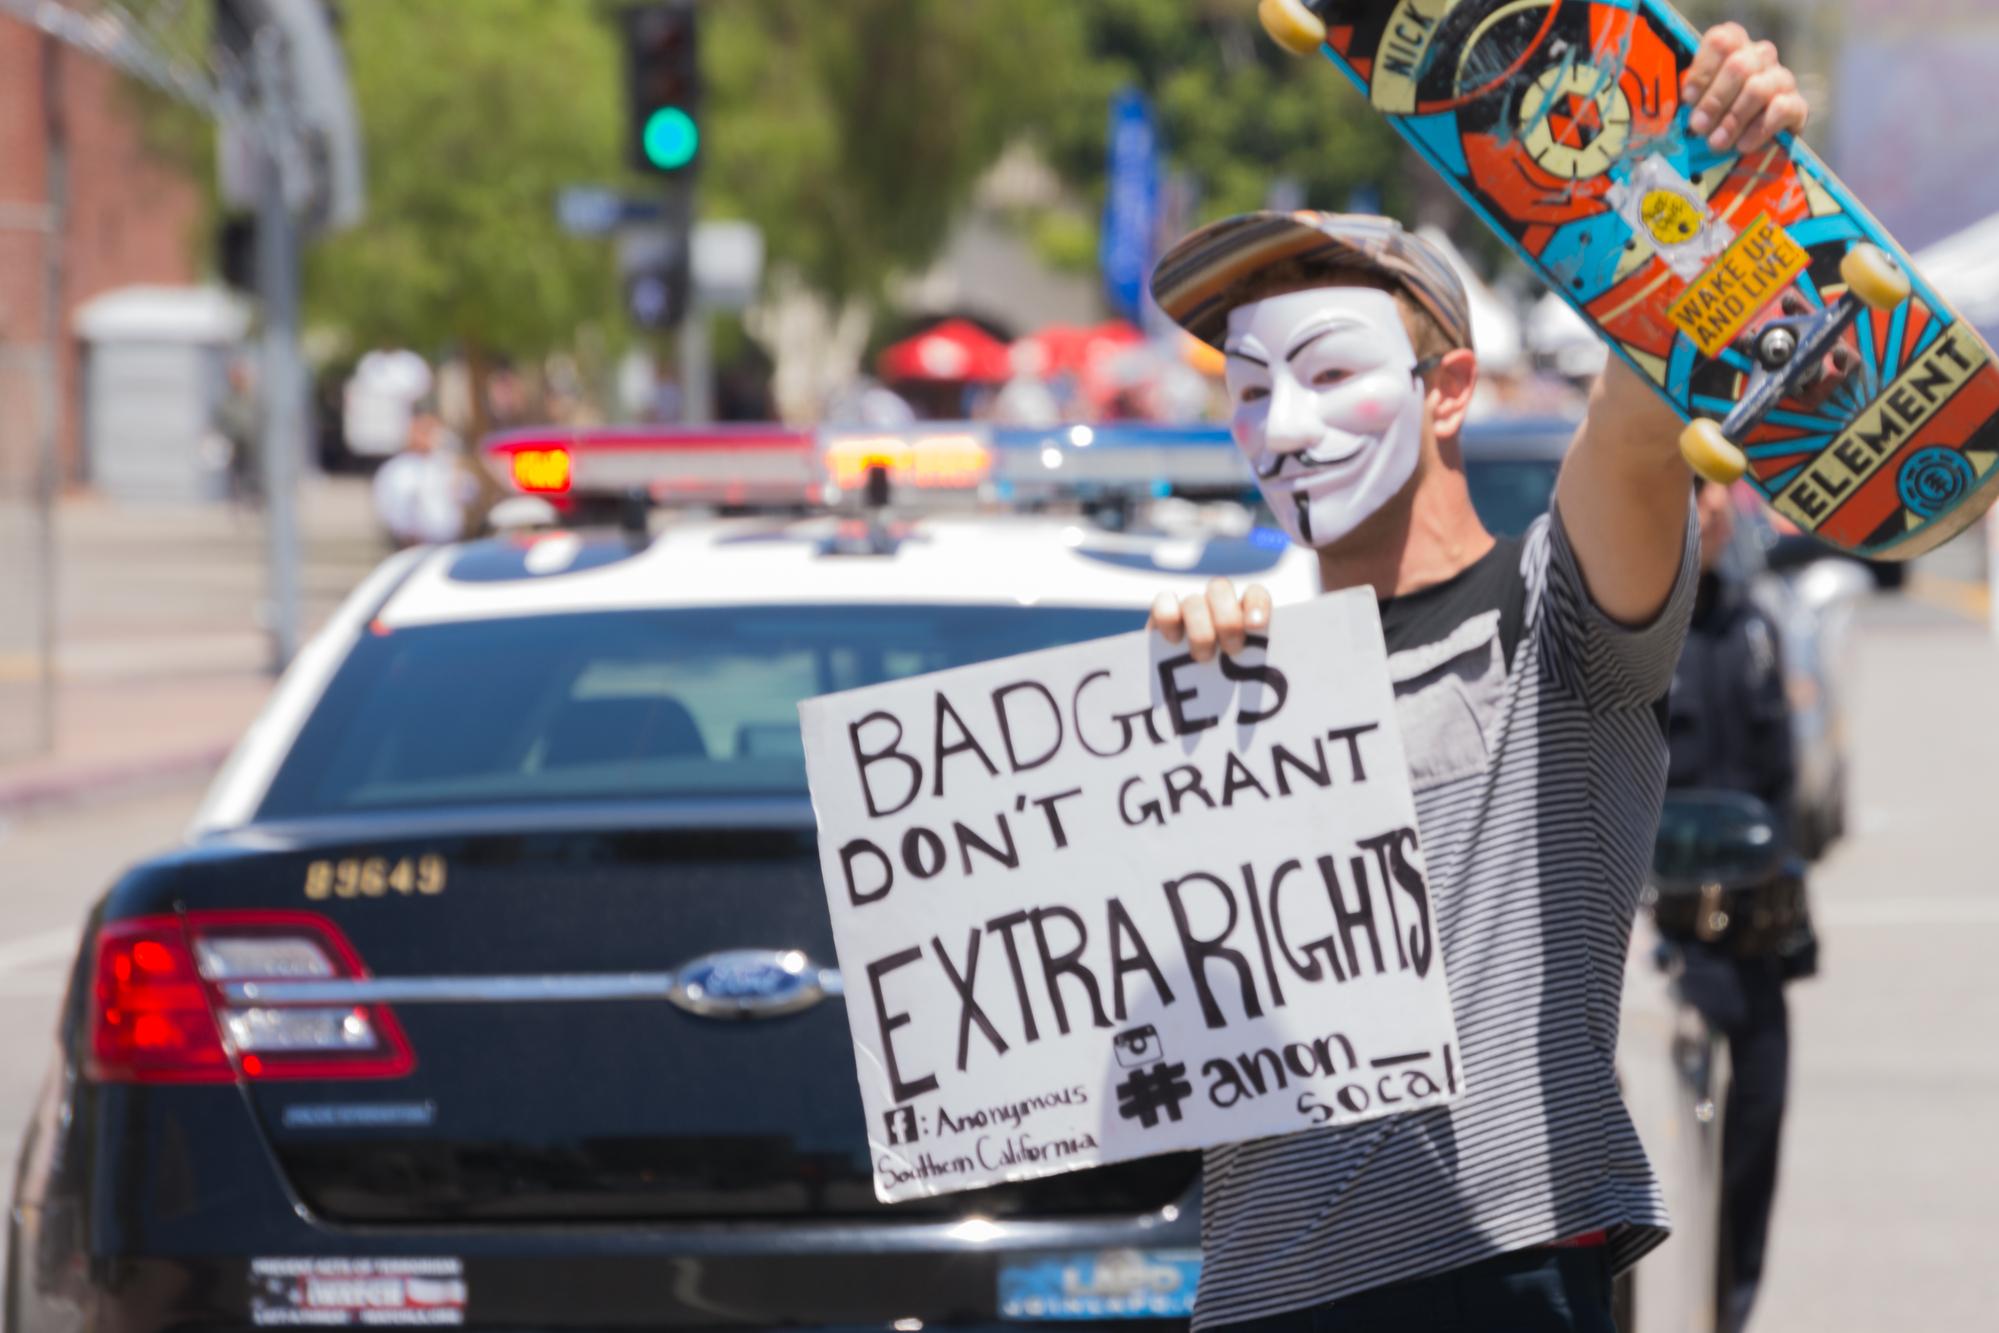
(1131, 205)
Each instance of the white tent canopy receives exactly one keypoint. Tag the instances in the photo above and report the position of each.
(1495, 331)
(163, 315)
(1965, 271)
(1557, 332)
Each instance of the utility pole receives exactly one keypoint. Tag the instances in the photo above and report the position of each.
(281, 372)
(276, 68)
(48, 462)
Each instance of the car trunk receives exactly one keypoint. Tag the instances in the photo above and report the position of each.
(520, 1106)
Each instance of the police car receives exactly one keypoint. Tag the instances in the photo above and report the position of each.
(494, 983)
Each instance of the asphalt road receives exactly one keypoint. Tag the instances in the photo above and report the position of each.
(1886, 1216)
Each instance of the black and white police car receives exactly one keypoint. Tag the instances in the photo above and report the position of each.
(494, 986)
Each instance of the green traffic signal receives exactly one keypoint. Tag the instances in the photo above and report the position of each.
(671, 138)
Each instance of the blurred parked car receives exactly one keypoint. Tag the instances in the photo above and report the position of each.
(1813, 604)
(494, 982)
(1511, 466)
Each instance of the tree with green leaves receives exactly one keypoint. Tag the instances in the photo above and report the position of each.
(474, 116)
(1236, 114)
(853, 135)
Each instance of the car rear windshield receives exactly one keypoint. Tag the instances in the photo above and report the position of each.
(1510, 493)
(621, 705)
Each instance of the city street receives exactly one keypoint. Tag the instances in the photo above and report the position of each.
(160, 658)
(1884, 1212)
(715, 369)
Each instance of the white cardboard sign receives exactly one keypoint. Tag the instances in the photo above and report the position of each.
(1102, 901)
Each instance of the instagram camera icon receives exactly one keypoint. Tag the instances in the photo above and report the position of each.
(1138, 1046)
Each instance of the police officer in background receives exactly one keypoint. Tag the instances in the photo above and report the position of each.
(1729, 729)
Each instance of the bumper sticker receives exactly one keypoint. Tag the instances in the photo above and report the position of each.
(356, 1293)
(1755, 269)
(1101, 1284)
(1672, 214)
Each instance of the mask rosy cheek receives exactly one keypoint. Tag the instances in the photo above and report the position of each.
(1369, 415)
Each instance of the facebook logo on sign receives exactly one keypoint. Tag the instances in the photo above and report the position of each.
(901, 1124)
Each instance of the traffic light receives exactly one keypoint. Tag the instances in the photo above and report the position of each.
(663, 85)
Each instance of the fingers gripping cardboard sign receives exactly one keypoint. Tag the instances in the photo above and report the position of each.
(1103, 901)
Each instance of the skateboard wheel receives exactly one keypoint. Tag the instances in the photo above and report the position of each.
(1291, 25)
(1709, 452)
(1874, 278)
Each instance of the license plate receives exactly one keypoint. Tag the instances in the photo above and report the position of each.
(1101, 1284)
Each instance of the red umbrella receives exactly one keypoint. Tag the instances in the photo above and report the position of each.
(954, 351)
(1071, 348)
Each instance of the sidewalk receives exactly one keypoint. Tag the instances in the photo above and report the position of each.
(161, 655)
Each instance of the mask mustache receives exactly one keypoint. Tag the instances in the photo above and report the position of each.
(1306, 463)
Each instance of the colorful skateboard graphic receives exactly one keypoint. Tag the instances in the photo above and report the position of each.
(1754, 291)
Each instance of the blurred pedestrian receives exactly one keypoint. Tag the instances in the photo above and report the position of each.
(506, 396)
(422, 495)
(869, 402)
(238, 424)
(1026, 400)
(1729, 729)
(329, 407)
(381, 396)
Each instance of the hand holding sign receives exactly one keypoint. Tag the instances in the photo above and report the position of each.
(1217, 620)
(1107, 901)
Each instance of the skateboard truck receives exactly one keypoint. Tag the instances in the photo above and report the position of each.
(1787, 354)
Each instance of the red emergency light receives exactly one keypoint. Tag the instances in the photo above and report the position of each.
(727, 464)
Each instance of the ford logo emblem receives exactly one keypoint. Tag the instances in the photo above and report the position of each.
(752, 983)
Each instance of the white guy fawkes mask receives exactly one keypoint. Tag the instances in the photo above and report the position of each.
(1327, 401)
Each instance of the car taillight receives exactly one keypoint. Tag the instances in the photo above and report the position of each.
(159, 1013)
(150, 1015)
(541, 471)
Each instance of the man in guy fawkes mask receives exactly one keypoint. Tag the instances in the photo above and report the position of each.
(1530, 677)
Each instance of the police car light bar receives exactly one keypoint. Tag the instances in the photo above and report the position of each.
(1127, 458)
(720, 465)
(952, 457)
(752, 465)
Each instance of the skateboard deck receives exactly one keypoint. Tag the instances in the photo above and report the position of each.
(1753, 291)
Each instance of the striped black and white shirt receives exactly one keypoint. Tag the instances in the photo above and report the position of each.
(1535, 745)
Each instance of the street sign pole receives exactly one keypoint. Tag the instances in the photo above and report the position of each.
(726, 259)
(697, 364)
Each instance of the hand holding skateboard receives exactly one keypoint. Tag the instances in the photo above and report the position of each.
(1653, 179)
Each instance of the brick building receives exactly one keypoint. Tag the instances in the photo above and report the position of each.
(130, 218)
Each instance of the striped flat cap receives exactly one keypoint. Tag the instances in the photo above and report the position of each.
(1215, 269)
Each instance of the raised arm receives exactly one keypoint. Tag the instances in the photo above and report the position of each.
(1623, 489)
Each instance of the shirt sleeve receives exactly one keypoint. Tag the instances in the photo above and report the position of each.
(1602, 661)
